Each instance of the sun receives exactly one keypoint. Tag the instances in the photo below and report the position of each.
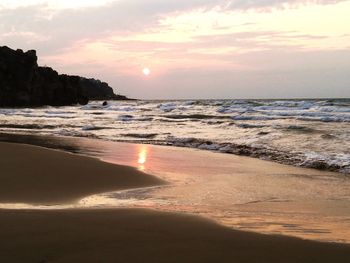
(146, 71)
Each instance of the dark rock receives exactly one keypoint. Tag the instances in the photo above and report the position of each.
(105, 103)
(17, 70)
(24, 84)
(83, 100)
(95, 89)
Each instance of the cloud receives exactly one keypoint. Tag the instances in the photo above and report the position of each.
(112, 39)
(307, 74)
(60, 28)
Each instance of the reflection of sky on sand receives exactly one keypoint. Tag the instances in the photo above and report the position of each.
(239, 192)
(243, 193)
(265, 217)
(139, 197)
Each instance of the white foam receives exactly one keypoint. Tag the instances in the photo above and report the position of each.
(167, 107)
(123, 108)
(268, 119)
(92, 107)
(210, 147)
(341, 160)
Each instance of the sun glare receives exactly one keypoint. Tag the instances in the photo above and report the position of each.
(146, 71)
(142, 157)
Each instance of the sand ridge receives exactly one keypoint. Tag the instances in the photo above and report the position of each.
(35, 175)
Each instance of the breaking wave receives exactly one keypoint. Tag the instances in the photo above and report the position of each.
(308, 133)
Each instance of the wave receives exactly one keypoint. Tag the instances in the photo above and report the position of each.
(92, 127)
(128, 118)
(195, 116)
(96, 113)
(141, 135)
(277, 130)
(325, 119)
(125, 117)
(27, 126)
(338, 163)
(298, 128)
(36, 115)
(167, 107)
(56, 112)
(249, 126)
(254, 118)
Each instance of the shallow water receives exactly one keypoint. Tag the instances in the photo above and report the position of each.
(239, 192)
(309, 133)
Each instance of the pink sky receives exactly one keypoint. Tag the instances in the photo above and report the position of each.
(194, 49)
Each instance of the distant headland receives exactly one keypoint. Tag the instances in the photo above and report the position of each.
(24, 84)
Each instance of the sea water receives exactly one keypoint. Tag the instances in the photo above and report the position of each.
(308, 133)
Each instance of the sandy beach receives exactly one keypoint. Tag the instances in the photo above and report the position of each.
(174, 131)
(145, 236)
(35, 175)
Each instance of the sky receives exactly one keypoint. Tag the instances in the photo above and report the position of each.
(194, 49)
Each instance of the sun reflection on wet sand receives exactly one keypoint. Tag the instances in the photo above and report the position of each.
(142, 157)
(239, 192)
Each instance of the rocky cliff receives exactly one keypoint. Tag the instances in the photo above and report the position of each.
(24, 84)
(95, 89)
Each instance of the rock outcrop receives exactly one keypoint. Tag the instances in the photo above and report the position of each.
(24, 84)
(95, 89)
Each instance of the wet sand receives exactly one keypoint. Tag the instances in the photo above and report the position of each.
(35, 175)
(133, 235)
(32, 174)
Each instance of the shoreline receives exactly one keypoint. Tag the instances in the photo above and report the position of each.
(300, 133)
(238, 192)
(24, 138)
(116, 234)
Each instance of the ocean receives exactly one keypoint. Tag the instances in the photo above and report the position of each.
(307, 133)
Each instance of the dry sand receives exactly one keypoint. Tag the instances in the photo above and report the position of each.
(36, 175)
